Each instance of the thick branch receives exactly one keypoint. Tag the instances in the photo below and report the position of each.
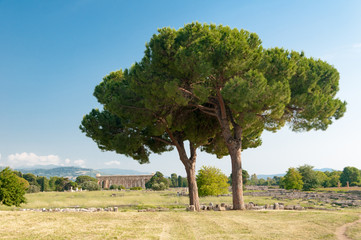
(221, 104)
(188, 92)
(162, 140)
(193, 152)
(180, 147)
(209, 113)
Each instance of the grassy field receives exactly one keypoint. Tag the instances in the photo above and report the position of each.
(340, 189)
(173, 224)
(354, 232)
(126, 200)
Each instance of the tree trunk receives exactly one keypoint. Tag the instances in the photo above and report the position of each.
(237, 183)
(190, 166)
(192, 184)
(233, 140)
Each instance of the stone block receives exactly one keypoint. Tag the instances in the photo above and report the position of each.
(219, 208)
(191, 208)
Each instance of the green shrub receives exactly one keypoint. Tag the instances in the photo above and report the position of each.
(211, 182)
(90, 186)
(156, 180)
(12, 188)
(159, 186)
(135, 188)
(70, 185)
(84, 178)
(120, 187)
(292, 180)
(114, 186)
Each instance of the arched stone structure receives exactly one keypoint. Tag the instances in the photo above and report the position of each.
(127, 181)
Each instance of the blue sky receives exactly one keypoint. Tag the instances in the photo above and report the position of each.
(53, 54)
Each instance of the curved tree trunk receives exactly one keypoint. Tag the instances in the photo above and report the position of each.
(237, 183)
(190, 166)
(192, 184)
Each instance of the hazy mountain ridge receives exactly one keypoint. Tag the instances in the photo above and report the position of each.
(265, 176)
(73, 172)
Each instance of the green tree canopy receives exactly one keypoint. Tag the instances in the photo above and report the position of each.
(227, 74)
(84, 178)
(12, 188)
(43, 182)
(173, 180)
(292, 180)
(157, 182)
(31, 178)
(211, 181)
(351, 175)
(309, 177)
(240, 88)
(90, 186)
(333, 178)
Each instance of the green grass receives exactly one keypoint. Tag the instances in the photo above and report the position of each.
(341, 189)
(174, 225)
(354, 232)
(137, 199)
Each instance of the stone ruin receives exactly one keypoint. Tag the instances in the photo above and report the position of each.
(346, 199)
(128, 181)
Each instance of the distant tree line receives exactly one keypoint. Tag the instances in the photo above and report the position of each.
(305, 178)
(44, 184)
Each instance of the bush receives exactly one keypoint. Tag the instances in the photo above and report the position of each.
(12, 188)
(159, 186)
(292, 180)
(90, 186)
(157, 178)
(84, 178)
(120, 187)
(33, 189)
(114, 186)
(211, 181)
(135, 188)
(70, 185)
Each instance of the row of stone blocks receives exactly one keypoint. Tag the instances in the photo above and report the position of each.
(248, 206)
(109, 209)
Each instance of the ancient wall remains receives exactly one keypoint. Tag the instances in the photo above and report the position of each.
(127, 181)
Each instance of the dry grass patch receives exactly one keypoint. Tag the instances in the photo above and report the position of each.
(354, 232)
(174, 225)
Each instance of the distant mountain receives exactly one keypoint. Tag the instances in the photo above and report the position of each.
(325, 170)
(73, 172)
(50, 166)
(265, 176)
(69, 172)
(117, 171)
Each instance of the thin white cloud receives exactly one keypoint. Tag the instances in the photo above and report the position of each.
(112, 163)
(31, 159)
(357, 45)
(79, 162)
